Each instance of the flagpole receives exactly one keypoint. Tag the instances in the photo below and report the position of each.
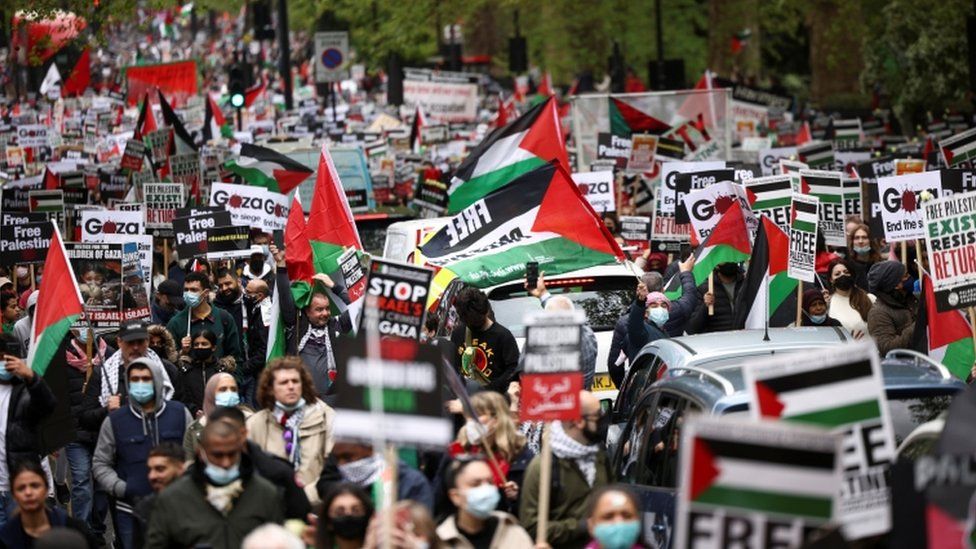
(766, 316)
(799, 302)
(711, 290)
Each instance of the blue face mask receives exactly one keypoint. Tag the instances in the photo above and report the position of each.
(617, 535)
(220, 475)
(659, 315)
(817, 319)
(141, 391)
(83, 336)
(482, 500)
(228, 399)
(290, 407)
(861, 249)
(5, 375)
(191, 299)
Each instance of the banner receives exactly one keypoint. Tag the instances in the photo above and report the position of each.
(901, 203)
(98, 270)
(802, 263)
(24, 242)
(444, 101)
(191, 232)
(177, 81)
(686, 182)
(228, 242)
(772, 196)
(840, 389)
(162, 201)
(597, 188)
(254, 207)
(950, 238)
(399, 292)
(552, 365)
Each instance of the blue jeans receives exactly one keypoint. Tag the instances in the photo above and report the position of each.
(7, 507)
(247, 391)
(82, 491)
(124, 529)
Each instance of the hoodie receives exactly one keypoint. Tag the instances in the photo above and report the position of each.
(121, 470)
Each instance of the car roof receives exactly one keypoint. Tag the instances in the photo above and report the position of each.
(599, 271)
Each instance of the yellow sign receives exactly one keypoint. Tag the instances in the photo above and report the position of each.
(602, 382)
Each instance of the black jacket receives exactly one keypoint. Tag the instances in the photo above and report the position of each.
(724, 318)
(237, 310)
(193, 377)
(281, 474)
(30, 403)
(86, 427)
(257, 343)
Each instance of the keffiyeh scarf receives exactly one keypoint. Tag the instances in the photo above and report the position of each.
(567, 448)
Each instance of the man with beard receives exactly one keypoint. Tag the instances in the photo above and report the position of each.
(258, 305)
(230, 297)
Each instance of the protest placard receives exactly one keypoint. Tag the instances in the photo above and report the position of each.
(901, 203)
(431, 197)
(158, 143)
(950, 238)
(597, 188)
(706, 206)
(852, 195)
(251, 206)
(353, 274)
(228, 242)
(772, 196)
(642, 149)
(869, 172)
(636, 231)
(185, 169)
(667, 197)
(840, 389)
(552, 363)
(399, 291)
(445, 101)
(132, 158)
(191, 232)
(406, 378)
(909, 165)
(791, 166)
(746, 484)
(162, 201)
(136, 282)
(98, 270)
(687, 181)
(828, 187)
(32, 136)
(958, 149)
(24, 242)
(803, 238)
(614, 148)
(95, 223)
(818, 156)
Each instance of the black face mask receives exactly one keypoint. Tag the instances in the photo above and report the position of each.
(844, 282)
(350, 527)
(728, 270)
(599, 435)
(161, 351)
(201, 355)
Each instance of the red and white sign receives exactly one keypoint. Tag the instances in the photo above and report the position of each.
(445, 101)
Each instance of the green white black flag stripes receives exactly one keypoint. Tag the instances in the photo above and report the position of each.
(59, 304)
(263, 167)
(276, 329)
(959, 148)
(803, 238)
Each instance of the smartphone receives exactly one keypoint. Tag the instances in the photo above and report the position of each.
(532, 273)
(685, 251)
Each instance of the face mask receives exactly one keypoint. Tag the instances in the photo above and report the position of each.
(728, 269)
(201, 355)
(351, 527)
(659, 315)
(161, 351)
(290, 407)
(862, 249)
(141, 391)
(22, 272)
(83, 336)
(5, 375)
(192, 299)
(817, 319)
(598, 435)
(472, 431)
(266, 250)
(617, 535)
(482, 500)
(220, 475)
(844, 283)
(227, 399)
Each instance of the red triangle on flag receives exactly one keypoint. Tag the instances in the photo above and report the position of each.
(947, 153)
(80, 77)
(639, 121)
(779, 247)
(751, 196)
(704, 470)
(545, 138)
(298, 251)
(769, 403)
(944, 327)
(804, 186)
(288, 180)
(731, 231)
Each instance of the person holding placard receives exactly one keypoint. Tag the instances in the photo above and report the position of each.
(716, 310)
(891, 321)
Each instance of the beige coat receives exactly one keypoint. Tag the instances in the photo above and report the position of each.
(508, 535)
(315, 435)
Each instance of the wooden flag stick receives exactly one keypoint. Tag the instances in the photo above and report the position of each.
(918, 254)
(545, 480)
(165, 258)
(32, 278)
(711, 290)
(799, 303)
(904, 252)
(390, 494)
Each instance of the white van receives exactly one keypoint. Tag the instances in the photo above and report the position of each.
(403, 237)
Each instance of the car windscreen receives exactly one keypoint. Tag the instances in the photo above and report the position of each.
(912, 407)
(603, 300)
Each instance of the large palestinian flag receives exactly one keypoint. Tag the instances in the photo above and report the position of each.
(769, 294)
(959, 148)
(947, 334)
(263, 167)
(530, 141)
(727, 243)
(331, 228)
(626, 120)
(215, 125)
(59, 305)
(541, 216)
(298, 254)
(181, 143)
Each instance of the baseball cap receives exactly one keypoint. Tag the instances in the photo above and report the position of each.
(172, 290)
(133, 330)
(257, 250)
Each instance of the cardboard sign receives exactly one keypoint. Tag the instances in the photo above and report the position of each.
(901, 203)
(143, 262)
(669, 171)
(251, 206)
(134, 155)
(32, 136)
(353, 274)
(597, 188)
(840, 389)
(950, 238)
(185, 169)
(852, 196)
(407, 378)
(635, 230)
(687, 182)
(399, 291)
(191, 232)
(909, 165)
(642, 150)
(828, 187)
(772, 196)
(24, 242)
(552, 362)
(802, 263)
(613, 147)
(869, 172)
(746, 484)
(158, 143)
(94, 223)
(98, 270)
(444, 101)
(228, 242)
(162, 201)
(431, 196)
(706, 207)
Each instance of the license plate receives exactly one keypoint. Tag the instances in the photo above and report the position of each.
(602, 382)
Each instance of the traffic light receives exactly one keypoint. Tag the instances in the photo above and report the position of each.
(235, 85)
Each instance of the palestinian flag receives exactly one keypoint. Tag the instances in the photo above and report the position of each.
(944, 336)
(262, 167)
(817, 155)
(530, 141)
(804, 135)
(59, 305)
(298, 254)
(959, 148)
(416, 129)
(626, 120)
(146, 122)
(541, 216)
(215, 125)
(769, 294)
(251, 94)
(46, 201)
(803, 216)
(331, 228)
(276, 329)
(181, 142)
(845, 130)
(827, 186)
(763, 474)
(727, 243)
(771, 195)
